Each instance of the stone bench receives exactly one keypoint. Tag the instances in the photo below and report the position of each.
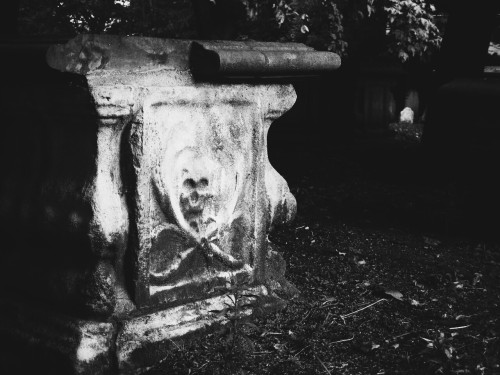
(139, 185)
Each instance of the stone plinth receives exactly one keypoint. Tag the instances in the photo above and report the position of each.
(145, 187)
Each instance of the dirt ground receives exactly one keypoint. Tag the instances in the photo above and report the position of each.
(395, 275)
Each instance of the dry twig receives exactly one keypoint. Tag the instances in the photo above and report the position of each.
(301, 350)
(343, 340)
(322, 364)
(460, 327)
(363, 308)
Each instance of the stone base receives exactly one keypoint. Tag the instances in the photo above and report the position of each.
(40, 339)
(144, 340)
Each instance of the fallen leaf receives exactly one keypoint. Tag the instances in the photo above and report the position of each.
(279, 347)
(383, 292)
(448, 353)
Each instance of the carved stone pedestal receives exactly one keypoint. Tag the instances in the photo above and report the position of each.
(140, 185)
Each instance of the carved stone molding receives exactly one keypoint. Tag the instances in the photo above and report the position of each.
(146, 186)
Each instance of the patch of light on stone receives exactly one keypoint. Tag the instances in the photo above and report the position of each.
(94, 341)
(88, 348)
(86, 353)
(153, 289)
(110, 215)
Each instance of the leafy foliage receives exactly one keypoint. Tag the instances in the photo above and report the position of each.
(332, 25)
(411, 29)
(243, 307)
(317, 23)
(172, 19)
(237, 314)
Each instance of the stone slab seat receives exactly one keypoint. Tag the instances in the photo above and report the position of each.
(139, 187)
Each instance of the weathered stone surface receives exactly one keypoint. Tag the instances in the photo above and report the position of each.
(93, 53)
(275, 276)
(145, 340)
(202, 190)
(136, 190)
(203, 175)
(259, 59)
(90, 53)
